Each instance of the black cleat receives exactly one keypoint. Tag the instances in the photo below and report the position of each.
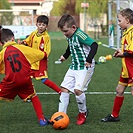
(110, 118)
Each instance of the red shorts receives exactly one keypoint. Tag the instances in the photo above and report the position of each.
(9, 92)
(38, 74)
(126, 81)
(42, 72)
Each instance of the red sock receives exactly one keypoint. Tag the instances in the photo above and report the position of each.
(37, 107)
(52, 85)
(118, 101)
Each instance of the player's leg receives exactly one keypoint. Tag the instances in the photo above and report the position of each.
(6, 93)
(112, 40)
(38, 109)
(83, 78)
(64, 100)
(44, 78)
(66, 86)
(27, 92)
(132, 90)
(118, 101)
(51, 85)
(83, 112)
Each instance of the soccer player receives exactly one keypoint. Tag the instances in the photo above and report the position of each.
(15, 63)
(125, 21)
(82, 50)
(111, 34)
(40, 39)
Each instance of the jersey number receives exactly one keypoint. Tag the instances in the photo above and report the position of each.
(13, 60)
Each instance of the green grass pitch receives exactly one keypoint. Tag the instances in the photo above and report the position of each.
(19, 117)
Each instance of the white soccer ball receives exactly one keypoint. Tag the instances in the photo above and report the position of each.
(102, 59)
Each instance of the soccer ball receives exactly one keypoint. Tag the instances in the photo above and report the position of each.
(102, 59)
(60, 120)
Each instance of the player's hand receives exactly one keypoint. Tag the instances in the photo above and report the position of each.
(24, 43)
(118, 53)
(87, 64)
(115, 53)
(62, 58)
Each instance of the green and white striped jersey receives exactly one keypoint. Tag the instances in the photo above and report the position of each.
(79, 45)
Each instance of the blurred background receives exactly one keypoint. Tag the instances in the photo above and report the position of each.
(92, 16)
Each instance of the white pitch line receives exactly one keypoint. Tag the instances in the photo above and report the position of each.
(92, 93)
(108, 46)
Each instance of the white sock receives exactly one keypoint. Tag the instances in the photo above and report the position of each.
(81, 101)
(64, 101)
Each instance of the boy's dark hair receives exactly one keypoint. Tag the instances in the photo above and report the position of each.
(5, 35)
(127, 13)
(43, 19)
(66, 19)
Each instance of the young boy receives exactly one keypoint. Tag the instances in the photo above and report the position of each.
(15, 63)
(125, 21)
(82, 50)
(39, 39)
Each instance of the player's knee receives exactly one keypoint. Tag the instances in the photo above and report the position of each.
(119, 92)
(64, 90)
(77, 92)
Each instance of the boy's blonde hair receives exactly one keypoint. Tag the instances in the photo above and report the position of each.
(127, 13)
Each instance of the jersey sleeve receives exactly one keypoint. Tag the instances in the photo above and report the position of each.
(130, 43)
(85, 39)
(32, 55)
(29, 39)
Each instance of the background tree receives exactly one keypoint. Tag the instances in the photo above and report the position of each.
(57, 8)
(96, 7)
(95, 10)
(62, 6)
(6, 18)
(69, 7)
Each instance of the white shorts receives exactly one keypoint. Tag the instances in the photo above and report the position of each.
(77, 79)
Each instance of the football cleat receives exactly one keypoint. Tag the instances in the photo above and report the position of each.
(43, 122)
(110, 118)
(81, 118)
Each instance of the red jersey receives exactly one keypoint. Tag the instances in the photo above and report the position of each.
(16, 62)
(127, 46)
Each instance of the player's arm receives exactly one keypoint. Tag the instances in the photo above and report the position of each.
(31, 54)
(28, 40)
(92, 53)
(67, 53)
(119, 53)
(25, 42)
(126, 54)
(48, 46)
